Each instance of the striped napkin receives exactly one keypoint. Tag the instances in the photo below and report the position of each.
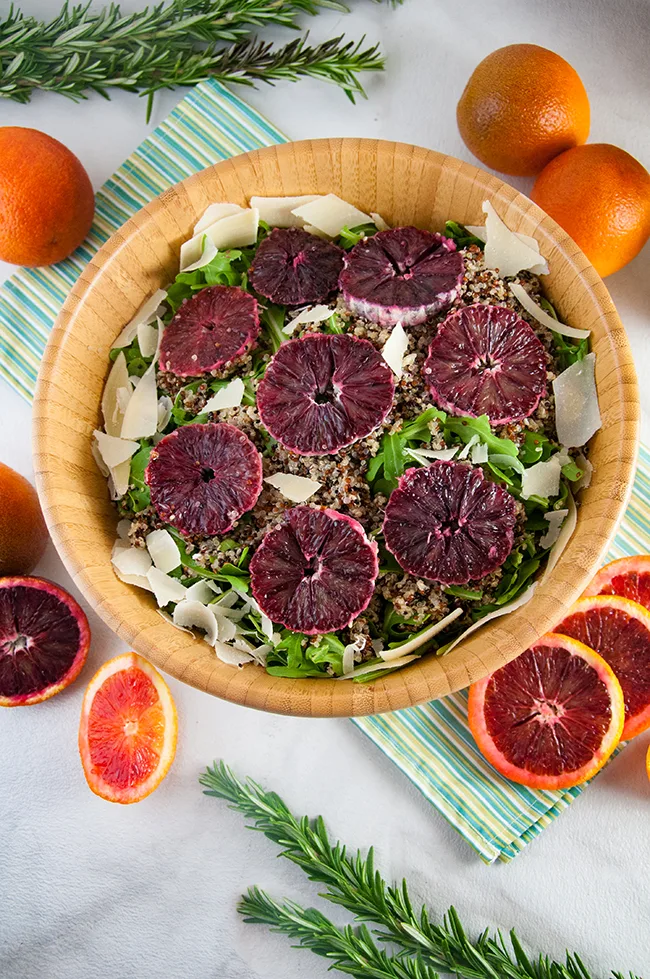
(432, 745)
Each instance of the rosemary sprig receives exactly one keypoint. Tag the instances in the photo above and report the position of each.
(350, 950)
(175, 43)
(353, 883)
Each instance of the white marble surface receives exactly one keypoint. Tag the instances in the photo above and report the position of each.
(89, 890)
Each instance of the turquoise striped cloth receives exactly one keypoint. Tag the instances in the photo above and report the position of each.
(432, 745)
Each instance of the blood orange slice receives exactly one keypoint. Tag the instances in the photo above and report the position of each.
(551, 718)
(127, 733)
(628, 577)
(44, 640)
(619, 630)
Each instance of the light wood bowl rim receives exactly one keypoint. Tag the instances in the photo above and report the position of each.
(66, 489)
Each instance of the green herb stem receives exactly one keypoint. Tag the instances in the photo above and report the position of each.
(352, 882)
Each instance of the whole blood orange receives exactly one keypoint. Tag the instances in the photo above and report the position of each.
(44, 640)
(127, 733)
(619, 630)
(521, 107)
(46, 198)
(23, 534)
(551, 718)
(600, 195)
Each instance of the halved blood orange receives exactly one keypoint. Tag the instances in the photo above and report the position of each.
(44, 640)
(127, 734)
(551, 718)
(628, 577)
(618, 629)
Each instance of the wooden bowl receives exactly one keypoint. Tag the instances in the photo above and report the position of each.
(407, 185)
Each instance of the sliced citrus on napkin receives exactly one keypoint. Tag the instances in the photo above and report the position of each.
(628, 577)
(619, 630)
(551, 718)
(127, 734)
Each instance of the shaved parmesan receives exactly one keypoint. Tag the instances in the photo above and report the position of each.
(394, 349)
(165, 406)
(141, 415)
(123, 396)
(231, 656)
(542, 316)
(316, 232)
(97, 456)
(214, 213)
(114, 450)
(200, 591)
(123, 528)
(555, 520)
(130, 560)
(235, 231)
(139, 580)
(167, 617)
(117, 379)
(208, 250)
(226, 628)
(577, 416)
(542, 479)
(587, 469)
(479, 453)
(330, 214)
(277, 212)
(146, 313)
(464, 452)
(506, 252)
(260, 653)
(379, 222)
(118, 479)
(504, 610)
(424, 456)
(479, 232)
(350, 651)
(314, 315)
(191, 614)
(390, 655)
(228, 600)
(229, 396)
(163, 550)
(295, 488)
(379, 667)
(147, 339)
(564, 456)
(165, 589)
(566, 532)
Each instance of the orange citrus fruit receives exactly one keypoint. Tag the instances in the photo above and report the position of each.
(23, 534)
(551, 718)
(600, 195)
(44, 640)
(127, 734)
(619, 630)
(521, 107)
(46, 198)
(628, 577)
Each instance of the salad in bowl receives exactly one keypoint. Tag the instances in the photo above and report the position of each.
(335, 446)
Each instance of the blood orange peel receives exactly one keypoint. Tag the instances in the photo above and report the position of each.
(619, 630)
(551, 718)
(128, 730)
(44, 640)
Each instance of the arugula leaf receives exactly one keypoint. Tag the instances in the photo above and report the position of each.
(349, 237)
(535, 448)
(572, 472)
(470, 594)
(333, 325)
(136, 364)
(464, 428)
(272, 319)
(460, 234)
(138, 495)
(295, 656)
(567, 351)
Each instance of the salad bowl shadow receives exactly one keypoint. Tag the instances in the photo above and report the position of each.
(406, 185)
